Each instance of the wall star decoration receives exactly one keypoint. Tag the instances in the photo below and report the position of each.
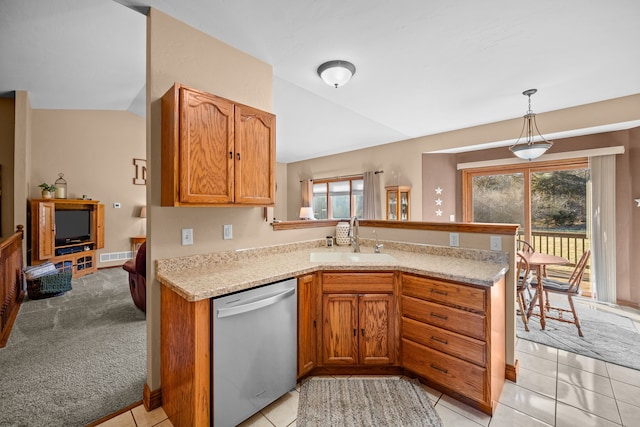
(438, 190)
(638, 202)
(438, 212)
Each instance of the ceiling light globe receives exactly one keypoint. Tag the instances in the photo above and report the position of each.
(336, 73)
(530, 151)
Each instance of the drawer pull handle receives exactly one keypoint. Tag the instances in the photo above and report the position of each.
(440, 340)
(439, 369)
(439, 316)
(435, 291)
(362, 331)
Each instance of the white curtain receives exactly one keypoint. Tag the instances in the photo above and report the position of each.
(603, 223)
(371, 199)
(306, 192)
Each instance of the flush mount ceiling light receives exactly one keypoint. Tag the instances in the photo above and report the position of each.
(336, 73)
(529, 149)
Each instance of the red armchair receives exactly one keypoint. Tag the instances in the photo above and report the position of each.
(137, 270)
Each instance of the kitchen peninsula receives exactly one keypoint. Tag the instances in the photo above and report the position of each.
(455, 295)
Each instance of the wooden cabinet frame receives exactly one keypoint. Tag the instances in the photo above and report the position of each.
(215, 152)
(82, 260)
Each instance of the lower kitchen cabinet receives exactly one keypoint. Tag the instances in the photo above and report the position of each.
(358, 328)
(308, 322)
(453, 337)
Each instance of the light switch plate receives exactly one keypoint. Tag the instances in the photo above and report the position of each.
(227, 232)
(496, 243)
(187, 236)
(454, 239)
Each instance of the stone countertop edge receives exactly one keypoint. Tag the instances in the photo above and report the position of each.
(198, 277)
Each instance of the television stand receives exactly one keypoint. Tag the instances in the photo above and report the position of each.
(77, 256)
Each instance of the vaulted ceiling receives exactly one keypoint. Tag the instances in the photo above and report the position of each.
(423, 66)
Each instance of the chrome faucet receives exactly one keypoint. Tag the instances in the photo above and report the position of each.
(378, 247)
(354, 228)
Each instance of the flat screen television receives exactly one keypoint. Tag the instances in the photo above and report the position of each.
(72, 226)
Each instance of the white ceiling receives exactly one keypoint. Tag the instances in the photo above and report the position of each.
(423, 66)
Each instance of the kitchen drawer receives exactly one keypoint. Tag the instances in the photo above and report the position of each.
(457, 345)
(453, 319)
(444, 292)
(355, 283)
(455, 374)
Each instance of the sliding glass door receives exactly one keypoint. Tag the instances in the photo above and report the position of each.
(550, 201)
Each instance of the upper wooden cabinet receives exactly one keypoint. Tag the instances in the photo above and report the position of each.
(215, 152)
(398, 202)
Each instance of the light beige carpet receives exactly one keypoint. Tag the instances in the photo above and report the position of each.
(363, 402)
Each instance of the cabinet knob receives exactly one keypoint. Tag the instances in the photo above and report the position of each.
(231, 154)
(238, 156)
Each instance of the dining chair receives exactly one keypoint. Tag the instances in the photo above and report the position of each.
(523, 283)
(524, 246)
(569, 288)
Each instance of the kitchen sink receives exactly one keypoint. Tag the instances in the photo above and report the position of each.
(349, 257)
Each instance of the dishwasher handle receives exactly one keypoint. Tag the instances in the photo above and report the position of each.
(244, 308)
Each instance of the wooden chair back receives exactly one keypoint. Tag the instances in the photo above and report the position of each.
(578, 272)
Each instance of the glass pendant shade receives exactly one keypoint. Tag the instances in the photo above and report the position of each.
(529, 150)
(336, 73)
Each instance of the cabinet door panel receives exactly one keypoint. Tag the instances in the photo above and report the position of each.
(377, 335)
(46, 230)
(339, 328)
(255, 156)
(307, 327)
(206, 148)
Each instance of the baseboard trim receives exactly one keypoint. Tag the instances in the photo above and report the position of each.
(115, 414)
(151, 399)
(511, 371)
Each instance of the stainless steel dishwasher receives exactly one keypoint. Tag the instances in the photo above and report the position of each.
(254, 350)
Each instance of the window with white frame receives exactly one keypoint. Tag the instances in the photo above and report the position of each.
(338, 198)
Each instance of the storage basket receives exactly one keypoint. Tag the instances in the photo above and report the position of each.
(49, 286)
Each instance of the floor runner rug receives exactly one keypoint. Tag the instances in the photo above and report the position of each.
(363, 402)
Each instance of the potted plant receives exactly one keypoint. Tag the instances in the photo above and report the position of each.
(47, 190)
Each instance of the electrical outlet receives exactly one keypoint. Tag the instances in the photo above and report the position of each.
(496, 243)
(452, 218)
(454, 239)
(116, 205)
(187, 236)
(227, 232)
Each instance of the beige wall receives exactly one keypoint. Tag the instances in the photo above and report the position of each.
(22, 160)
(95, 151)
(402, 161)
(7, 131)
(179, 53)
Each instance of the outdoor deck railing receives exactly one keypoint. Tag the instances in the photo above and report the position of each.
(569, 245)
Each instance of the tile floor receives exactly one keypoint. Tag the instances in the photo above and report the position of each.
(554, 388)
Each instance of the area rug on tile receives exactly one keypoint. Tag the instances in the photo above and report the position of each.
(75, 358)
(365, 402)
(607, 336)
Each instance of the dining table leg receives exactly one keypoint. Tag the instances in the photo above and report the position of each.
(541, 296)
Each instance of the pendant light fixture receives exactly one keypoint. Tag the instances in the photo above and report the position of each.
(529, 149)
(336, 73)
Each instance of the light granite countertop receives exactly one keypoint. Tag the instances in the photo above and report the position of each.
(199, 277)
